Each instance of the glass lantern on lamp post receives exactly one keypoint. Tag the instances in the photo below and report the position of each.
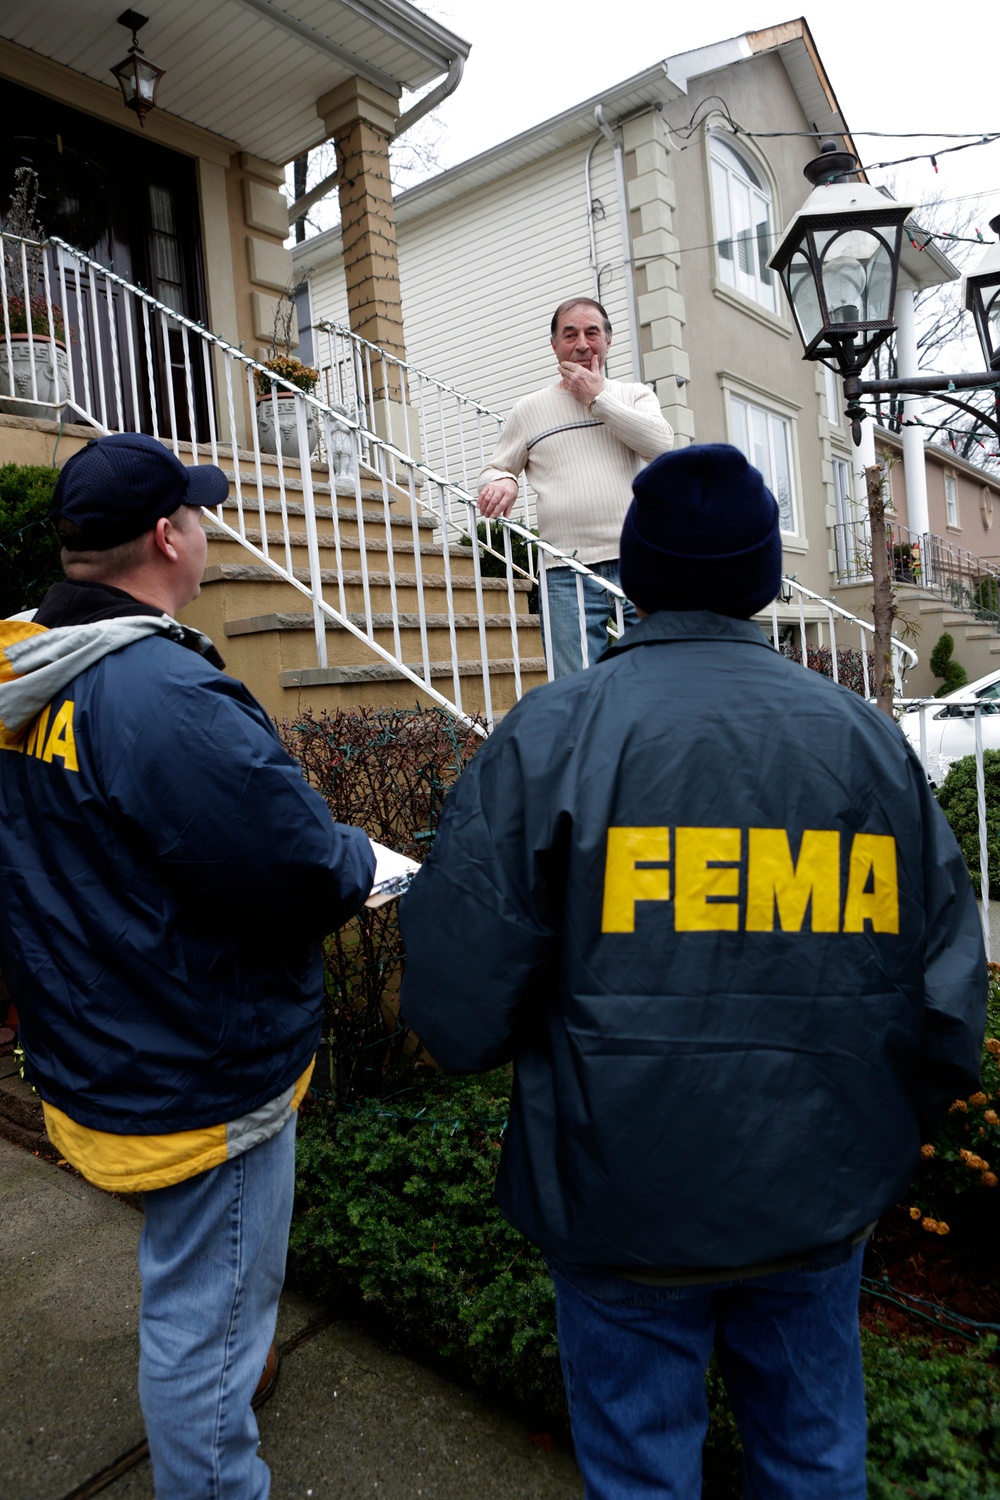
(138, 78)
(838, 261)
(982, 298)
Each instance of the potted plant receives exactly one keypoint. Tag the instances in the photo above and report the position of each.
(277, 418)
(34, 358)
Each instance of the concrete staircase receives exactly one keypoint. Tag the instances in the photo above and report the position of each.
(264, 628)
(977, 642)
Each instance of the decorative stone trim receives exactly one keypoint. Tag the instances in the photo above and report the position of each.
(651, 199)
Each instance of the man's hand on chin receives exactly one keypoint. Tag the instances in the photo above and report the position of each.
(583, 382)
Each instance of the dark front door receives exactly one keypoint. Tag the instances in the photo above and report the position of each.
(133, 207)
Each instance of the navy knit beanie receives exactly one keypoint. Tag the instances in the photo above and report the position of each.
(701, 533)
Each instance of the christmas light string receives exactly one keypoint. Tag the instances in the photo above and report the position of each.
(715, 104)
(964, 434)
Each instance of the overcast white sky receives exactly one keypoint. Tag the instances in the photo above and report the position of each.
(893, 67)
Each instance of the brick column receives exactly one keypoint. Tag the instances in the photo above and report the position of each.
(362, 120)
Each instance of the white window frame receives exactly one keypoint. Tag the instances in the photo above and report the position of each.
(740, 191)
(766, 436)
(831, 386)
(951, 500)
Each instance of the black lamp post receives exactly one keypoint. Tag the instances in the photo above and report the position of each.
(138, 78)
(982, 298)
(839, 261)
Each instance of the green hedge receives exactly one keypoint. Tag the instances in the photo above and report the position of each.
(957, 799)
(29, 547)
(394, 1210)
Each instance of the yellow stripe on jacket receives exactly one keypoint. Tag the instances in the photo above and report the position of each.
(143, 1163)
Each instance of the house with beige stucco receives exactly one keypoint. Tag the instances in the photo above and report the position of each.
(345, 567)
(663, 198)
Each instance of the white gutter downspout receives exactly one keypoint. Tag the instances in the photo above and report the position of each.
(422, 107)
(588, 189)
(433, 99)
(633, 306)
(914, 463)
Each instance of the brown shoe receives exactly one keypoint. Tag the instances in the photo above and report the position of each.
(268, 1378)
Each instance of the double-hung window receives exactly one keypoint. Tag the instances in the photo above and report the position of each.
(951, 499)
(766, 440)
(743, 223)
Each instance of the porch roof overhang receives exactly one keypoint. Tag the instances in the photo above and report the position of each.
(249, 71)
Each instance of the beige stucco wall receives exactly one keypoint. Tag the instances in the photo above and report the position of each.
(733, 343)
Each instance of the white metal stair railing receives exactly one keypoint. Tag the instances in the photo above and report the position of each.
(457, 436)
(124, 361)
(923, 560)
(936, 767)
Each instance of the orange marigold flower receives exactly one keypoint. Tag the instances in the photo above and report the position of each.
(930, 1225)
(965, 1156)
(976, 1163)
(991, 1117)
(914, 1213)
(927, 1152)
(993, 1046)
(989, 1179)
(958, 1108)
(942, 1228)
(977, 1099)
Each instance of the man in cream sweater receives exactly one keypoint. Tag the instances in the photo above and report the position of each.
(580, 443)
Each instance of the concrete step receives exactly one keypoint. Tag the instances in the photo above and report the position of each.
(224, 548)
(255, 589)
(345, 648)
(379, 684)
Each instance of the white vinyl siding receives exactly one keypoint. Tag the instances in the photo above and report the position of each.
(481, 276)
(765, 438)
(743, 224)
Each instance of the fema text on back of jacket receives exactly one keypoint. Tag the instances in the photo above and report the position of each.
(733, 879)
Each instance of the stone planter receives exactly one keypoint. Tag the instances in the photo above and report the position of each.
(51, 382)
(287, 434)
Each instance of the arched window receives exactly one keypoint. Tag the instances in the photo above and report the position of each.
(743, 222)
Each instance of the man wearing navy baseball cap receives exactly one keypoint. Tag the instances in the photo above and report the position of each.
(165, 878)
(734, 955)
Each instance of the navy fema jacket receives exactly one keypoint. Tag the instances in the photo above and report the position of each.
(706, 901)
(165, 874)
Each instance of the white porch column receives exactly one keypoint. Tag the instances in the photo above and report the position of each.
(914, 470)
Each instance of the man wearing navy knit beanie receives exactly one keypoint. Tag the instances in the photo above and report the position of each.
(734, 955)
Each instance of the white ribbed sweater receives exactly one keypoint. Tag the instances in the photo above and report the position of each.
(581, 465)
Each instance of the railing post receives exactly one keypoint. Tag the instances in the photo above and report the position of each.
(312, 536)
(984, 858)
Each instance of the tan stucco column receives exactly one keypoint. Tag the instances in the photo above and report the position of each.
(362, 119)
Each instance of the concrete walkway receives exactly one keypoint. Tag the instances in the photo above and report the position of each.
(349, 1419)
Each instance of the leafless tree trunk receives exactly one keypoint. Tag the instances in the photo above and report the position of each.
(883, 594)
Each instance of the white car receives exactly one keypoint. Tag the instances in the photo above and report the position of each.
(950, 726)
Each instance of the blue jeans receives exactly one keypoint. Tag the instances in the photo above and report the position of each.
(788, 1346)
(564, 615)
(212, 1260)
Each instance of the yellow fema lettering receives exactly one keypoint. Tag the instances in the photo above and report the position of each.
(59, 741)
(779, 890)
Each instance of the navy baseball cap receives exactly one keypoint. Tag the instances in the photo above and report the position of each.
(118, 487)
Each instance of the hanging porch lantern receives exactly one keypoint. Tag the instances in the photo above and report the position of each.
(982, 298)
(838, 261)
(138, 78)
